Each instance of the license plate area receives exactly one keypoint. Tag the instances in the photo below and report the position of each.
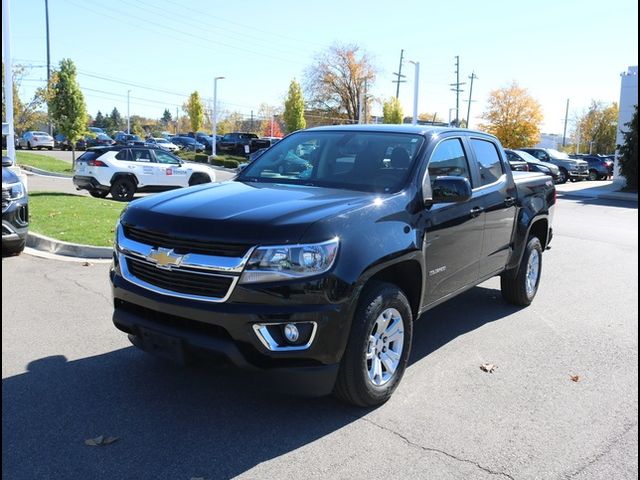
(162, 345)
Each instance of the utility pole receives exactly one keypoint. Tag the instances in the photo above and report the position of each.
(365, 101)
(252, 120)
(176, 132)
(399, 75)
(566, 117)
(46, 15)
(128, 116)
(473, 75)
(457, 89)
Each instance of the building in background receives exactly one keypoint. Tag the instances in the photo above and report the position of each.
(628, 99)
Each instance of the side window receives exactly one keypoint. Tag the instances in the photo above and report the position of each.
(141, 155)
(449, 159)
(489, 162)
(123, 155)
(164, 157)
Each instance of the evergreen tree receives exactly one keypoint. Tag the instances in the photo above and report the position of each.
(294, 108)
(99, 120)
(628, 152)
(166, 117)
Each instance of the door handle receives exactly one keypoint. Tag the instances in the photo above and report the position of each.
(475, 211)
(510, 201)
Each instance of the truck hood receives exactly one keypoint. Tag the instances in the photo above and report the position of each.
(242, 212)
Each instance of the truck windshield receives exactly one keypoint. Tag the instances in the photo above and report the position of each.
(367, 161)
(556, 154)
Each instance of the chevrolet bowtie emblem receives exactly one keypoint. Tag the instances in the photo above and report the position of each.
(164, 258)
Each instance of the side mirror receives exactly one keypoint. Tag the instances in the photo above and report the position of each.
(242, 166)
(450, 190)
(6, 162)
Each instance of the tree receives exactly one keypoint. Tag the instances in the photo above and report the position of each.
(26, 115)
(597, 128)
(195, 110)
(339, 81)
(99, 120)
(513, 116)
(114, 120)
(294, 108)
(166, 117)
(271, 128)
(628, 152)
(430, 117)
(66, 104)
(392, 111)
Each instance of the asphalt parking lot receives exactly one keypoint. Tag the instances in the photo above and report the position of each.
(69, 375)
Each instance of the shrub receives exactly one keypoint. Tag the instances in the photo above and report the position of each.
(218, 162)
(201, 157)
(231, 163)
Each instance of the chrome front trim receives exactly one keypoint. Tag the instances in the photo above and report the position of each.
(128, 276)
(198, 261)
(262, 332)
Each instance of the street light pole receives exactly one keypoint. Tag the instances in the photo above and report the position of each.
(128, 116)
(8, 78)
(214, 114)
(415, 92)
(451, 110)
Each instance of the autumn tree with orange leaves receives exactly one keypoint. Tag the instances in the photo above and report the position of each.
(513, 116)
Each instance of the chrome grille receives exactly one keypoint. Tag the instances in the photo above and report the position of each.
(179, 280)
(6, 198)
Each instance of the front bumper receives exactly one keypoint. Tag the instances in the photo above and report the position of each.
(89, 183)
(15, 222)
(579, 174)
(226, 331)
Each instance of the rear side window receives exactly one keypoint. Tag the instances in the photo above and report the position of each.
(489, 162)
(449, 159)
(141, 155)
(88, 156)
(123, 155)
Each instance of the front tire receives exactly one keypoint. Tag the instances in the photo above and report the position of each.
(563, 176)
(520, 287)
(378, 348)
(123, 190)
(13, 249)
(199, 179)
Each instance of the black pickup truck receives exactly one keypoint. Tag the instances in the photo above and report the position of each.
(315, 267)
(238, 143)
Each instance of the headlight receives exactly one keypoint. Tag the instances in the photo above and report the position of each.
(16, 190)
(285, 262)
(544, 170)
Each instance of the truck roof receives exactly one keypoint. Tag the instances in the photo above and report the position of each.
(403, 128)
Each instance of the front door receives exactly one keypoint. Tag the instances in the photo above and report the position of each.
(453, 231)
(172, 173)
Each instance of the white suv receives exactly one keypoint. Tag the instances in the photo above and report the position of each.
(123, 171)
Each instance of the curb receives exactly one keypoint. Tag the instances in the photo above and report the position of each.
(44, 172)
(58, 247)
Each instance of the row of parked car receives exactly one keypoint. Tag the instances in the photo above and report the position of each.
(561, 166)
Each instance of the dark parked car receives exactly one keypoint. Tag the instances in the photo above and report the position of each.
(188, 143)
(570, 168)
(122, 138)
(240, 143)
(319, 275)
(63, 143)
(534, 164)
(600, 167)
(15, 211)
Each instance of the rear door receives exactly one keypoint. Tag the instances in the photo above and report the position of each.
(497, 196)
(453, 231)
(146, 168)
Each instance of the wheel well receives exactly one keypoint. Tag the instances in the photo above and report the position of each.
(540, 229)
(198, 175)
(130, 176)
(407, 276)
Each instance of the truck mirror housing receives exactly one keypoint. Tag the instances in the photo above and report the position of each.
(448, 189)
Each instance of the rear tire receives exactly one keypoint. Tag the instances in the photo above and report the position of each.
(29, 147)
(378, 348)
(520, 287)
(123, 189)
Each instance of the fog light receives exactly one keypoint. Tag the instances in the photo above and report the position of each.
(291, 332)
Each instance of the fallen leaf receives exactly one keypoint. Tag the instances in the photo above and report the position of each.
(488, 367)
(87, 264)
(574, 378)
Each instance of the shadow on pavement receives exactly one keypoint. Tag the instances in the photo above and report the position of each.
(175, 422)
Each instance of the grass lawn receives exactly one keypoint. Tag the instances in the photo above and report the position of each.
(42, 162)
(73, 218)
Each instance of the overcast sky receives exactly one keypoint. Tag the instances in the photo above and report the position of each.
(162, 50)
